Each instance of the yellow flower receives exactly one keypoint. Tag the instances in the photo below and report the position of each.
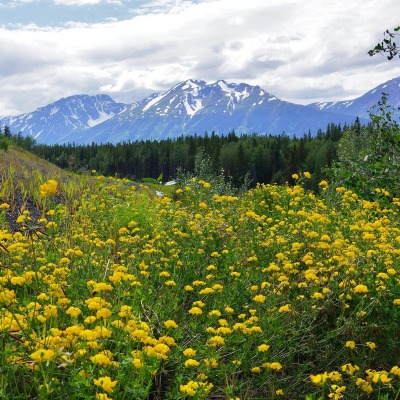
(42, 355)
(191, 363)
(103, 313)
(105, 383)
(307, 175)
(360, 289)
(371, 345)
(195, 311)
(216, 341)
(319, 379)
(259, 298)
(285, 308)
(263, 347)
(256, 370)
(100, 359)
(73, 312)
(273, 365)
(48, 188)
(170, 324)
(102, 396)
(350, 344)
(189, 352)
(295, 176)
(4, 206)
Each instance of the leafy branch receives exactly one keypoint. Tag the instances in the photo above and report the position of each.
(388, 45)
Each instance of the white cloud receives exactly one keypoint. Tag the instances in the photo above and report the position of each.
(85, 2)
(299, 51)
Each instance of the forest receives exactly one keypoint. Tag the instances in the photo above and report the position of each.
(241, 159)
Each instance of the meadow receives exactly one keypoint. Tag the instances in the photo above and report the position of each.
(108, 291)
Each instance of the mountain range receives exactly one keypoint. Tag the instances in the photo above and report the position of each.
(188, 108)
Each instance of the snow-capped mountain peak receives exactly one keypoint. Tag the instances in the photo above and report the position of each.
(56, 121)
(189, 107)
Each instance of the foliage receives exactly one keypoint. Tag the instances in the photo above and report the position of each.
(369, 156)
(3, 143)
(115, 293)
(244, 159)
(388, 45)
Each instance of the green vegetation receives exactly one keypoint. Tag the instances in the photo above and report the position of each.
(241, 159)
(388, 46)
(369, 156)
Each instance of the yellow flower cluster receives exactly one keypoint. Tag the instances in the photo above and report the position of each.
(48, 188)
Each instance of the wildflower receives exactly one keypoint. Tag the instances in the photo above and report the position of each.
(4, 206)
(170, 324)
(137, 363)
(191, 363)
(42, 355)
(395, 370)
(102, 396)
(100, 359)
(211, 362)
(105, 383)
(350, 344)
(48, 188)
(371, 345)
(364, 385)
(189, 352)
(195, 311)
(256, 370)
(273, 365)
(285, 308)
(103, 313)
(73, 312)
(216, 341)
(360, 289)
(307, 175)
(319, 379)
(259, 298)
(279, 392)
(263, 347)
(295, 176)
(350, 369)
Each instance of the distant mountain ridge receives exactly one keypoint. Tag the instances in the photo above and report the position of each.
(363, 104)
(188, 108)
(65, 119)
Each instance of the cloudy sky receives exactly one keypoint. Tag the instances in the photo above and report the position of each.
(300, 51)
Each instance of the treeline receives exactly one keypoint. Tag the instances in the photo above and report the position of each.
(7, 137)
(243, 159)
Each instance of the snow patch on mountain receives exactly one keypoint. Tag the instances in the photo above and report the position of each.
(103, 116)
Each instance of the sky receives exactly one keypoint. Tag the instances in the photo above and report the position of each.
(299, 51)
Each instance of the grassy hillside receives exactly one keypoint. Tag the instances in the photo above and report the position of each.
(22, 161)
(111, 292)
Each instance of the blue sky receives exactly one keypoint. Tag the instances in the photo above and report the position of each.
(52, 13)
(300, 51)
